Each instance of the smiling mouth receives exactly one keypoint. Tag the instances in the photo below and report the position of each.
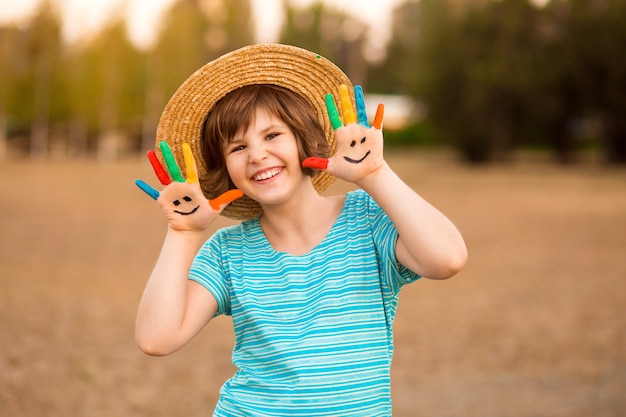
(187, 213)
(267, 174)
(356, 161)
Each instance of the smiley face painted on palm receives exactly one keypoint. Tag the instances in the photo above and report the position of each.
(353, 145)
(185, 203)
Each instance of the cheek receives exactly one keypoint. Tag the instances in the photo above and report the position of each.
(236, 168)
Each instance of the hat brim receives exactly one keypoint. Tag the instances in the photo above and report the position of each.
(306, 73)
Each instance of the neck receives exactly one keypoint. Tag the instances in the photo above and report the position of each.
(298, 227)
(299, 214)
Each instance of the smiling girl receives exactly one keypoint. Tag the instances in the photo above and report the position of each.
(311, 281)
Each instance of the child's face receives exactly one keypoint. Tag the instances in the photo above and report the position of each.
(263, 160)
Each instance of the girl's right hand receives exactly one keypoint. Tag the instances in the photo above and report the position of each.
(182, 201)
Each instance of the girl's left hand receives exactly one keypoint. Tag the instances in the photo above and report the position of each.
(359, 147)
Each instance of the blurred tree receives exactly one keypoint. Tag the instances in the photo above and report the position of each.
(105, 87)
(82, 94)
(501, 68)
(499, 75)
(113, 82)
(193, 33)
(329, 32)
(43, 43)
(399, 71)
(9, 58)
(181, 48)
(594, 46)
(427, 57)
(495, 75)
(231, 25)
(554, 96)
(474, 74)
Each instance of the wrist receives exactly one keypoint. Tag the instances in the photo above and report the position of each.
(192, 238)
(376, 178)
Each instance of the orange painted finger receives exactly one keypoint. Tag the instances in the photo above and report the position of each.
(228, 197)
(378, 119)
(190, 164)
(346, 105)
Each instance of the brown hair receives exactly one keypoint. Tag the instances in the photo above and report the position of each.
(234, 112)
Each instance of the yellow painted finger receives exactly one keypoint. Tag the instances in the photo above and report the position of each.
(190, 164)
(346, 105)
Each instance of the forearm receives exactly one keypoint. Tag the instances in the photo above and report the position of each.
(429, 244)
(161, 326)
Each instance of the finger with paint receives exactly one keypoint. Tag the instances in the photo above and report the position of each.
(175, 173)
(347, 110)
(172, 167)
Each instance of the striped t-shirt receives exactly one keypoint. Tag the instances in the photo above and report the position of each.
(313, 333)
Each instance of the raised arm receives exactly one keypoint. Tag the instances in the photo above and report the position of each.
(174, 309)
(428, 244)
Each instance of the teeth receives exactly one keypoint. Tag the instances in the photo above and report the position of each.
(267, 174)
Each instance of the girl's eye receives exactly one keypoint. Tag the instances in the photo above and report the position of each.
(237, 148)
(272, 136)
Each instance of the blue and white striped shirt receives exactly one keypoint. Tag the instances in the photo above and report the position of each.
(313, 333)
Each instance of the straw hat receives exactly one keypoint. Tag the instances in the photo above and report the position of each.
(303, 72)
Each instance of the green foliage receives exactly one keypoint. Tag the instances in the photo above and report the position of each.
(494, 78)
(329, 32)
(400, 71)
(422, 134)
(475, 68)
(105, 83)
(507, 75)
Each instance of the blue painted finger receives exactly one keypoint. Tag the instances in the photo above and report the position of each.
(147, 189)
(360, 105)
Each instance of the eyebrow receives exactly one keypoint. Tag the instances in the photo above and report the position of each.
(273, 126)
(238, 137)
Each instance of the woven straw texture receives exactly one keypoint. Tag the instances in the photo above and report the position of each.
(303, 72)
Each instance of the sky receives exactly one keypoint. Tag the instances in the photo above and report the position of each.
(82, 17)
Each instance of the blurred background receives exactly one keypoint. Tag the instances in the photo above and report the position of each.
(485, 78)
(509, 116)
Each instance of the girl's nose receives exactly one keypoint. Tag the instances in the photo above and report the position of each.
(257, 152)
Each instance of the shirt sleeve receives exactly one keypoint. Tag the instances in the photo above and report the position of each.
(393, 274)
(209, 270)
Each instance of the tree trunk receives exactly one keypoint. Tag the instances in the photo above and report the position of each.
(40, 129)
(3, 138)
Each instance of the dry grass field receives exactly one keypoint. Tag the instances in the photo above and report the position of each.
(534, 326)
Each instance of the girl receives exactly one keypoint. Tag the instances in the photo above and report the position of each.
(311, 281)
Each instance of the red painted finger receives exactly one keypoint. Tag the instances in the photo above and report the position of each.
(158, 168)
(315, 163)
(378, 119)
(228, 197)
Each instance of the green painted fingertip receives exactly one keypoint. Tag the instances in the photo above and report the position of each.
(170, 161)
(333, 113)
